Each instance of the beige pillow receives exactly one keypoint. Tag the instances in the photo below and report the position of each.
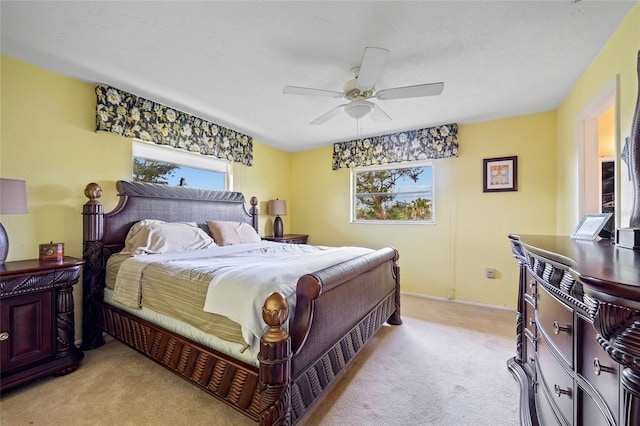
(228, 233)
(155, 236)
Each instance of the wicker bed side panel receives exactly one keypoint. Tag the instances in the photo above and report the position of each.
(232, 382)
(307, 386)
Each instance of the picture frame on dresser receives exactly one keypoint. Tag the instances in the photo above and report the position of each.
(590, 226)
(500, 174)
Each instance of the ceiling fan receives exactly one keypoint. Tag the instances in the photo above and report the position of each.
(361, 88)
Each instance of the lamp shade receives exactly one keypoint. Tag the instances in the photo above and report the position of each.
(277, 207)
(13, 196)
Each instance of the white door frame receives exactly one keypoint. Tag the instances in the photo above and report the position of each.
(587, 147)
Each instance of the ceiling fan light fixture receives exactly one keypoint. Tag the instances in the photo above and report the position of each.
(358, 109)
(362, 87)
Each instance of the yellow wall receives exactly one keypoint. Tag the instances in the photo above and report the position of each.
(470, 234)
(48, 139)
(618, 59)
(267, 179)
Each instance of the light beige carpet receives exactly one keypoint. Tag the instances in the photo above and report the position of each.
(446, 365)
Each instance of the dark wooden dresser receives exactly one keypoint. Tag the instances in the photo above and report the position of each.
(37, 320)
(578, 332)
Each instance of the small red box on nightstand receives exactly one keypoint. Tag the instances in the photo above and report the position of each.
(52, 251)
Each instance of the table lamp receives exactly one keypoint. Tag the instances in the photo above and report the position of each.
(277, 208)
(13, 200)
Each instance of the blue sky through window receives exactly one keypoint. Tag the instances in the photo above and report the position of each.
(198, 178)
(409, 190)
(194, 177)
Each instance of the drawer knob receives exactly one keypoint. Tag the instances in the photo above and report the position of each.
(557, 328)
(598, 368)
(559, 391)
(4, 336)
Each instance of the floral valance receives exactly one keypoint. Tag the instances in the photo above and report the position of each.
(129, 115)
(412, 145)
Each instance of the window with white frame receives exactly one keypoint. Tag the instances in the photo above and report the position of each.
(398, 193)
(159, 164)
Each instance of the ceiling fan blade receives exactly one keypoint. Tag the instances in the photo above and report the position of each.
(295, 90)
(378, 115)
(332, 113)
(372, 62)
(431, 89)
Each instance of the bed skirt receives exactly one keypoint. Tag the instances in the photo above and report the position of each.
(232, 381)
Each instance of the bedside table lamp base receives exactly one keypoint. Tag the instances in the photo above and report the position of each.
(277, 208)
(13, 200)
(4, 245)
(278, 228)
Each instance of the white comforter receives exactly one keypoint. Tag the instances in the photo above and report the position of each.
(242, 276)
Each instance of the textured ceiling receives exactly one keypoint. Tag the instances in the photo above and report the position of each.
(227, 62)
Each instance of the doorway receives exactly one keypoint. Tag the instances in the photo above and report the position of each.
(597, 145)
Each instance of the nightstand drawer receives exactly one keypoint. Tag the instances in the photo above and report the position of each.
(288, 239)
(296, 240)
(26, 283)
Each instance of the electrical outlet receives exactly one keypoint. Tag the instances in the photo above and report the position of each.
(491, 273)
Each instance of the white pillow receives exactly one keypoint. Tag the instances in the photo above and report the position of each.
(155, 236)
(227, 233)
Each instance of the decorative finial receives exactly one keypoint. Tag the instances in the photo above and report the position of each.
(275, 312)
(93, 191)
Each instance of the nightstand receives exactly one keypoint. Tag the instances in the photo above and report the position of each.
(288, 238)
(36, 320)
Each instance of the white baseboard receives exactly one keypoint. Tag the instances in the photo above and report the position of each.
(464, 302)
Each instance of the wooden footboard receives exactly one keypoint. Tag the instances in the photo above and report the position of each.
(338, 309)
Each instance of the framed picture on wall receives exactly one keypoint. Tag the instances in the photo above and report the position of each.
(500, 174)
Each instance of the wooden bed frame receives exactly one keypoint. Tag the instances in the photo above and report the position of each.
(338, 309)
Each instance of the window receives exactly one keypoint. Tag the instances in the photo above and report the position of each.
(400, 193)
(158, 164)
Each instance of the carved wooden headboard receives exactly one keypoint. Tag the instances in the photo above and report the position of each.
(105, 233)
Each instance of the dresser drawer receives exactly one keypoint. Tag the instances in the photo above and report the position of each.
(555, 381)
(597, 368)
(546, 411)
(555, 322)
(591, 412)
(530, 357)
(530, 320)
(531, 285)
